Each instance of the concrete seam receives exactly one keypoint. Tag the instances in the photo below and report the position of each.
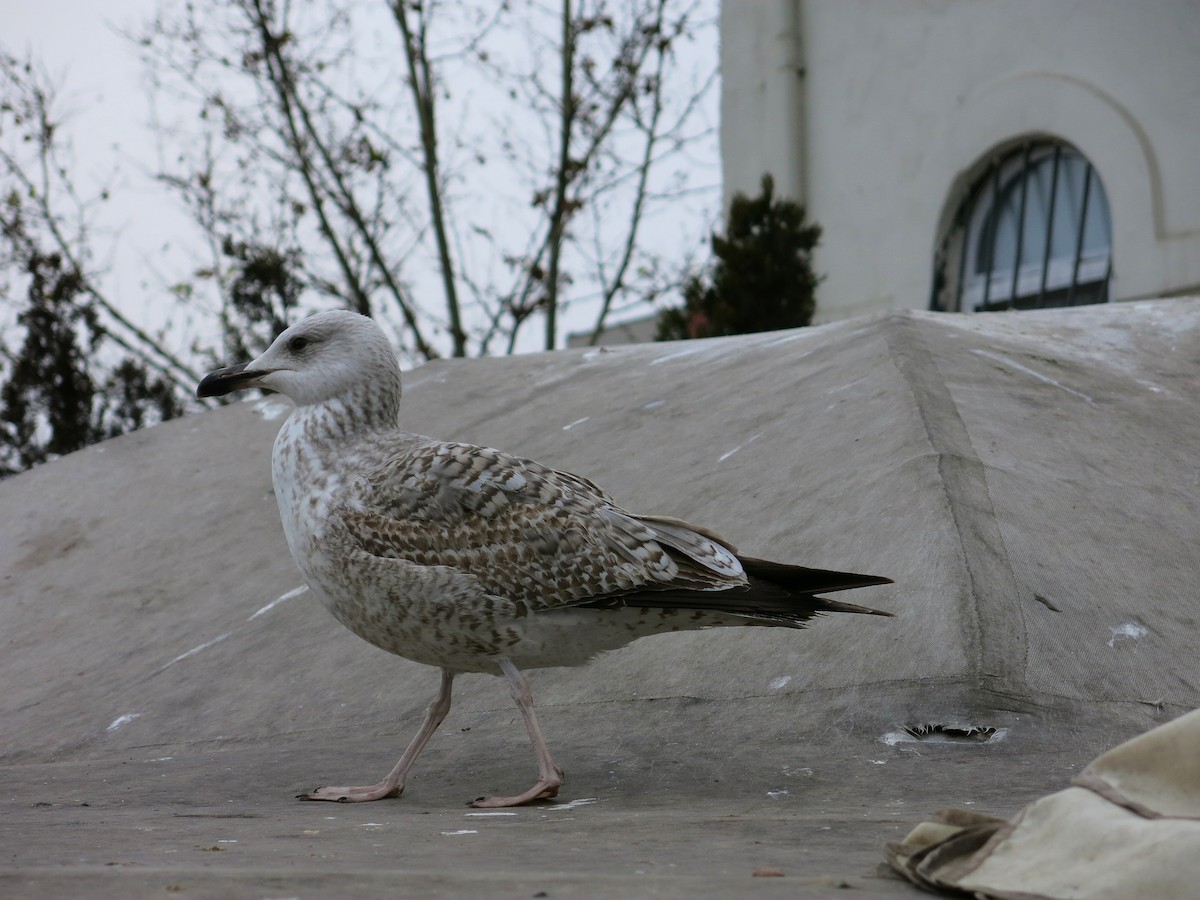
(998, 643)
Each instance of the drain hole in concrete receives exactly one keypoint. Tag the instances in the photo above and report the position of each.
(965, 734)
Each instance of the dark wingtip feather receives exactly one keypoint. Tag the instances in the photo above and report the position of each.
(805, 580)
(810, 582)
(827, 605)
(777, 594)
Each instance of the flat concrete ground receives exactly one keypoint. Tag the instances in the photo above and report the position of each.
(630, 823)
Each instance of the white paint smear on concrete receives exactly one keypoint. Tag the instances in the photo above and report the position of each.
(1013, 364)
(195, 650)
(122, 720)
(573, 804)
(294, 592)
(1130, 630)
(727, 454)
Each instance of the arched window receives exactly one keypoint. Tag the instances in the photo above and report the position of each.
(1034, 231)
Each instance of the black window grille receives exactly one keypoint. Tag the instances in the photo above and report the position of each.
(1033, 232)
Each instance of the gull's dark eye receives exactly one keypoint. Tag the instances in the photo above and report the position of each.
(298, 344)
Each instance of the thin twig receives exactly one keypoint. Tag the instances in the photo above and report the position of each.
(611, 289)
(421, 83)
(563, 176)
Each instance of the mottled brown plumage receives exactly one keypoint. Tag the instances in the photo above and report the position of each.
(474, 560)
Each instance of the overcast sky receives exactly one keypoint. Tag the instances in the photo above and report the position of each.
(99, 77)
(102, 85)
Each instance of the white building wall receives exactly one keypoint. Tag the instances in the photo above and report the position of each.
(877, 113)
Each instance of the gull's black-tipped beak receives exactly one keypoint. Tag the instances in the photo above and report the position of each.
(225, 381)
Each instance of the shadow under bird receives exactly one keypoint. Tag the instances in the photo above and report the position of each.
(474, 560)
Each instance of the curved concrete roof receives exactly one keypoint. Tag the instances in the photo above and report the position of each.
(1029, 480)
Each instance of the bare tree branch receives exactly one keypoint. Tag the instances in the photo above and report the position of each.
(302, 133)
(420, 81)
(53, 174)
(617, 282)
(564, 174)
(425, 166)
(281, 81)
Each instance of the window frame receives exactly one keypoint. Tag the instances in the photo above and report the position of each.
(1001, 191)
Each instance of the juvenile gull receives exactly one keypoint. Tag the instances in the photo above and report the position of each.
(473, 560)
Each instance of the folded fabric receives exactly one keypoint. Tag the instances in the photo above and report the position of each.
(1130, 827)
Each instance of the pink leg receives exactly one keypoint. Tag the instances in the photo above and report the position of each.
(393, 784)
(550, 776)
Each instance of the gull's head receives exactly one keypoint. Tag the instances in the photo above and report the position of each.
(326, 356)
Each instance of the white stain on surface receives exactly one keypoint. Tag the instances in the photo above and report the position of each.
(785, 339)
(270, 409)
(122, 720)
(655, 404)
(480, 815)
(837, 389)
(461, 831)
(1013, 364)
(780, 682)
(678, 354)
(571, 425)
(729, 453)
(294, 592)
(574, 804)
(1130, 630)
(195, 650)
(777, 795)
(806, 771)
